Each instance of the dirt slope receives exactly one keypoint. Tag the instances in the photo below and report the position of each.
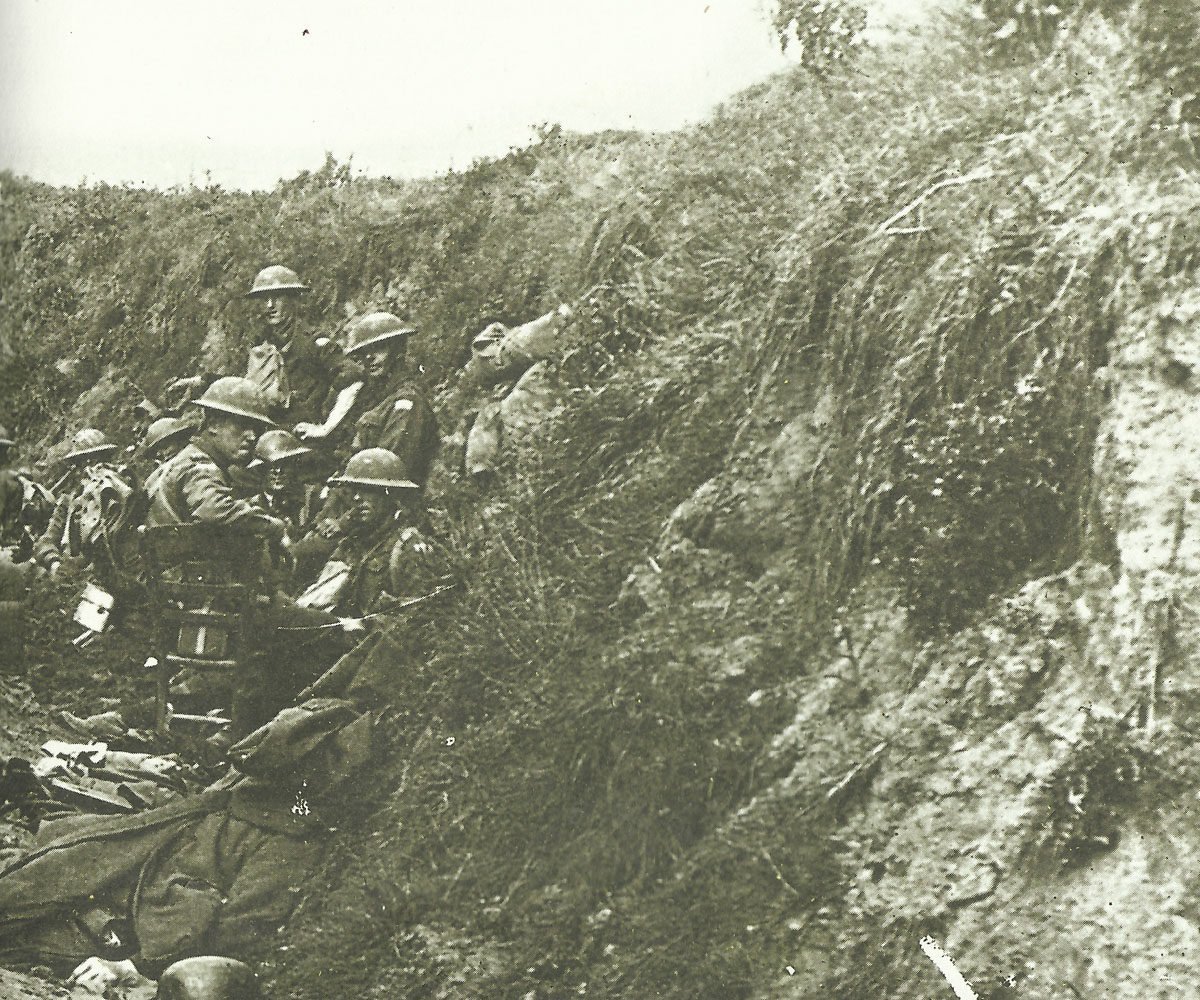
(844, 597)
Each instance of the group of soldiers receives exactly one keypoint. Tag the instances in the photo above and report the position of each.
(317, 453)
(299, 482)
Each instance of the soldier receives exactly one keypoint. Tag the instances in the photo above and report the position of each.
(279, 457)
(166, 436)
(89, 522)
(12, 494)
(164, 439)
(385, 558)
(296, 372)
(195, 486)
(393, 412)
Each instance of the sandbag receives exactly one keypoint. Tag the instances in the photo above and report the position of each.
(500, 353)
(483, 441)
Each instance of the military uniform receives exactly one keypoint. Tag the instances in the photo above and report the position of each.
(369, 572)
(401, 420)
(90, 524)
(192, 487)
(301, 379)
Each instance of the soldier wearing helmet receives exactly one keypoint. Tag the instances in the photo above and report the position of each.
(391, 410)
(385, 556)
(306, 383)
(280, 461)
(164, 438)
(302, 377)
(195, 486)
(12, 494)
(92, 514)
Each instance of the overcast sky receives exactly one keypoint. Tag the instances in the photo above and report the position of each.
(159, 92)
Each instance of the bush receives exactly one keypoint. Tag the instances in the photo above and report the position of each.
(982, 499)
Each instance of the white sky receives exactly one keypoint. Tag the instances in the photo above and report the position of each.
(159, 91)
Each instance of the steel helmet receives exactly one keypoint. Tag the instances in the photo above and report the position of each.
(89, 441)
(376, 328)
(376, 467)
(209, 977)
(165, 429)
(276, 278)
(490, 334)
(275, 446)
(236, 395)
(5, 439)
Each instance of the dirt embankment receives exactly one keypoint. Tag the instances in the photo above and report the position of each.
(845, 596)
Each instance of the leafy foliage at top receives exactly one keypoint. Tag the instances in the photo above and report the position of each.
(828, 33)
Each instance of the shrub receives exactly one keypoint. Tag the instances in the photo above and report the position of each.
(1081, 805)
(827, 32)
(982, 498)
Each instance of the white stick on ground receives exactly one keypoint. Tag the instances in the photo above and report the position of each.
(945, 965)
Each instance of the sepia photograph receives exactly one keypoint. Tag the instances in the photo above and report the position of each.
(535, 499)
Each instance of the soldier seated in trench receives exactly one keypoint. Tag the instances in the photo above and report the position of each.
(384, 557)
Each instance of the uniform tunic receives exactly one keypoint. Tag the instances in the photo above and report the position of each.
(402, 421)
(193, 487)
(302, 378)
(366, 573)
(89, 524)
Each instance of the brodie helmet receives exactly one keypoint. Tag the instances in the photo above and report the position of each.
(209, 977)
(376, 328)
(275, 446)
(276, 278)
(165, 429)
(89, 442)
(236, 395)
(376, 467)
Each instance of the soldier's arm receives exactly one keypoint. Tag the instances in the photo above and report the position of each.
(346, 381)
(413, 566)
(212, 500)
(341, 406)
(46, 550)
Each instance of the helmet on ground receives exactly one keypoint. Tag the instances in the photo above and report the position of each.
(209, 977)
(274, 446)
(89, 442)
(276, 278)
(166, 429)
(490, 334)
(5, 437)
(376, 328)
(376, 467)
(236, 395)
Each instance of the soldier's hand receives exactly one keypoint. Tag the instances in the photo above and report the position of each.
(328, 527)
(311, 432)
(186, 382)
(98, 975)
(277, 527)
(352, 624)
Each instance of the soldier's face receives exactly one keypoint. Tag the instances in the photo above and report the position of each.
(376, 361)
(233, 438)
(370, 506)
(281, 478)
(279, 307)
